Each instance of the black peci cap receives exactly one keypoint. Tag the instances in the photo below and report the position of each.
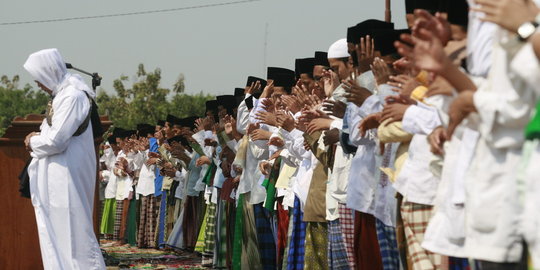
(304, 66)
(281, 76)
(252, 79)
(385, 38)
(321, 59)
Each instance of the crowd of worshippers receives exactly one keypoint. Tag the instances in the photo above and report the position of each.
(395, 149)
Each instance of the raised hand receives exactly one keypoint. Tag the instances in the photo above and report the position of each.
(251, 128)
(319, 124)
(292, 103)
(268, 105)
(393, 112)
(253, 88)
(199, 124)
(267, 118)
(336, 108)
(260, 134)
(365, 51)
(330, 81)
(308, 115)
(369, 122)
(202, 161)
(27, 140)
(264, 167)
(437, 25)
(268, 90)
(331, 136)
(436, 140)
(276, 141)
(285, 121)
(427, 54)
(401, 99)
(403, 84)
(509, 14)
(381, 71)
(355, 93)
(405, 66)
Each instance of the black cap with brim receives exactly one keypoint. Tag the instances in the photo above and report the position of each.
(321, 59)
(304, 66)
(161, 123)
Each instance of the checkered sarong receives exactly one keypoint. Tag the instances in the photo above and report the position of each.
(388, 245)
(265, 237)
(147, 222)
(118, 219)
(210, 235)
(210, 232)
(346, 222)
(337, 253)
(316, 246)
(287, 245)
(415, 220)
(297, 247)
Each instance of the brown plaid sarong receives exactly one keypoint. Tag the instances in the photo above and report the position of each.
(415, 220)
(147, 222)
(118, 219)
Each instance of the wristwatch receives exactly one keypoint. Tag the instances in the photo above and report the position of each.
(526, 30)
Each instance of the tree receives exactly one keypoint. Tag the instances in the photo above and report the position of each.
(144, 102)
(18, 102)
(147, 102)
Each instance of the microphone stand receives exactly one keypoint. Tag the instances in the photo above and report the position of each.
(96, 79)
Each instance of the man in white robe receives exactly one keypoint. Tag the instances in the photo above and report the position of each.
(63, 171)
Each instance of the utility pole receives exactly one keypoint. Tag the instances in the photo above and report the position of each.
(265, 47)
(388, 12)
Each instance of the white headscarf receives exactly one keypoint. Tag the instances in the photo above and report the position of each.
(48, 67)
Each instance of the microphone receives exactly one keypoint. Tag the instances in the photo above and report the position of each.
(96, 79)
